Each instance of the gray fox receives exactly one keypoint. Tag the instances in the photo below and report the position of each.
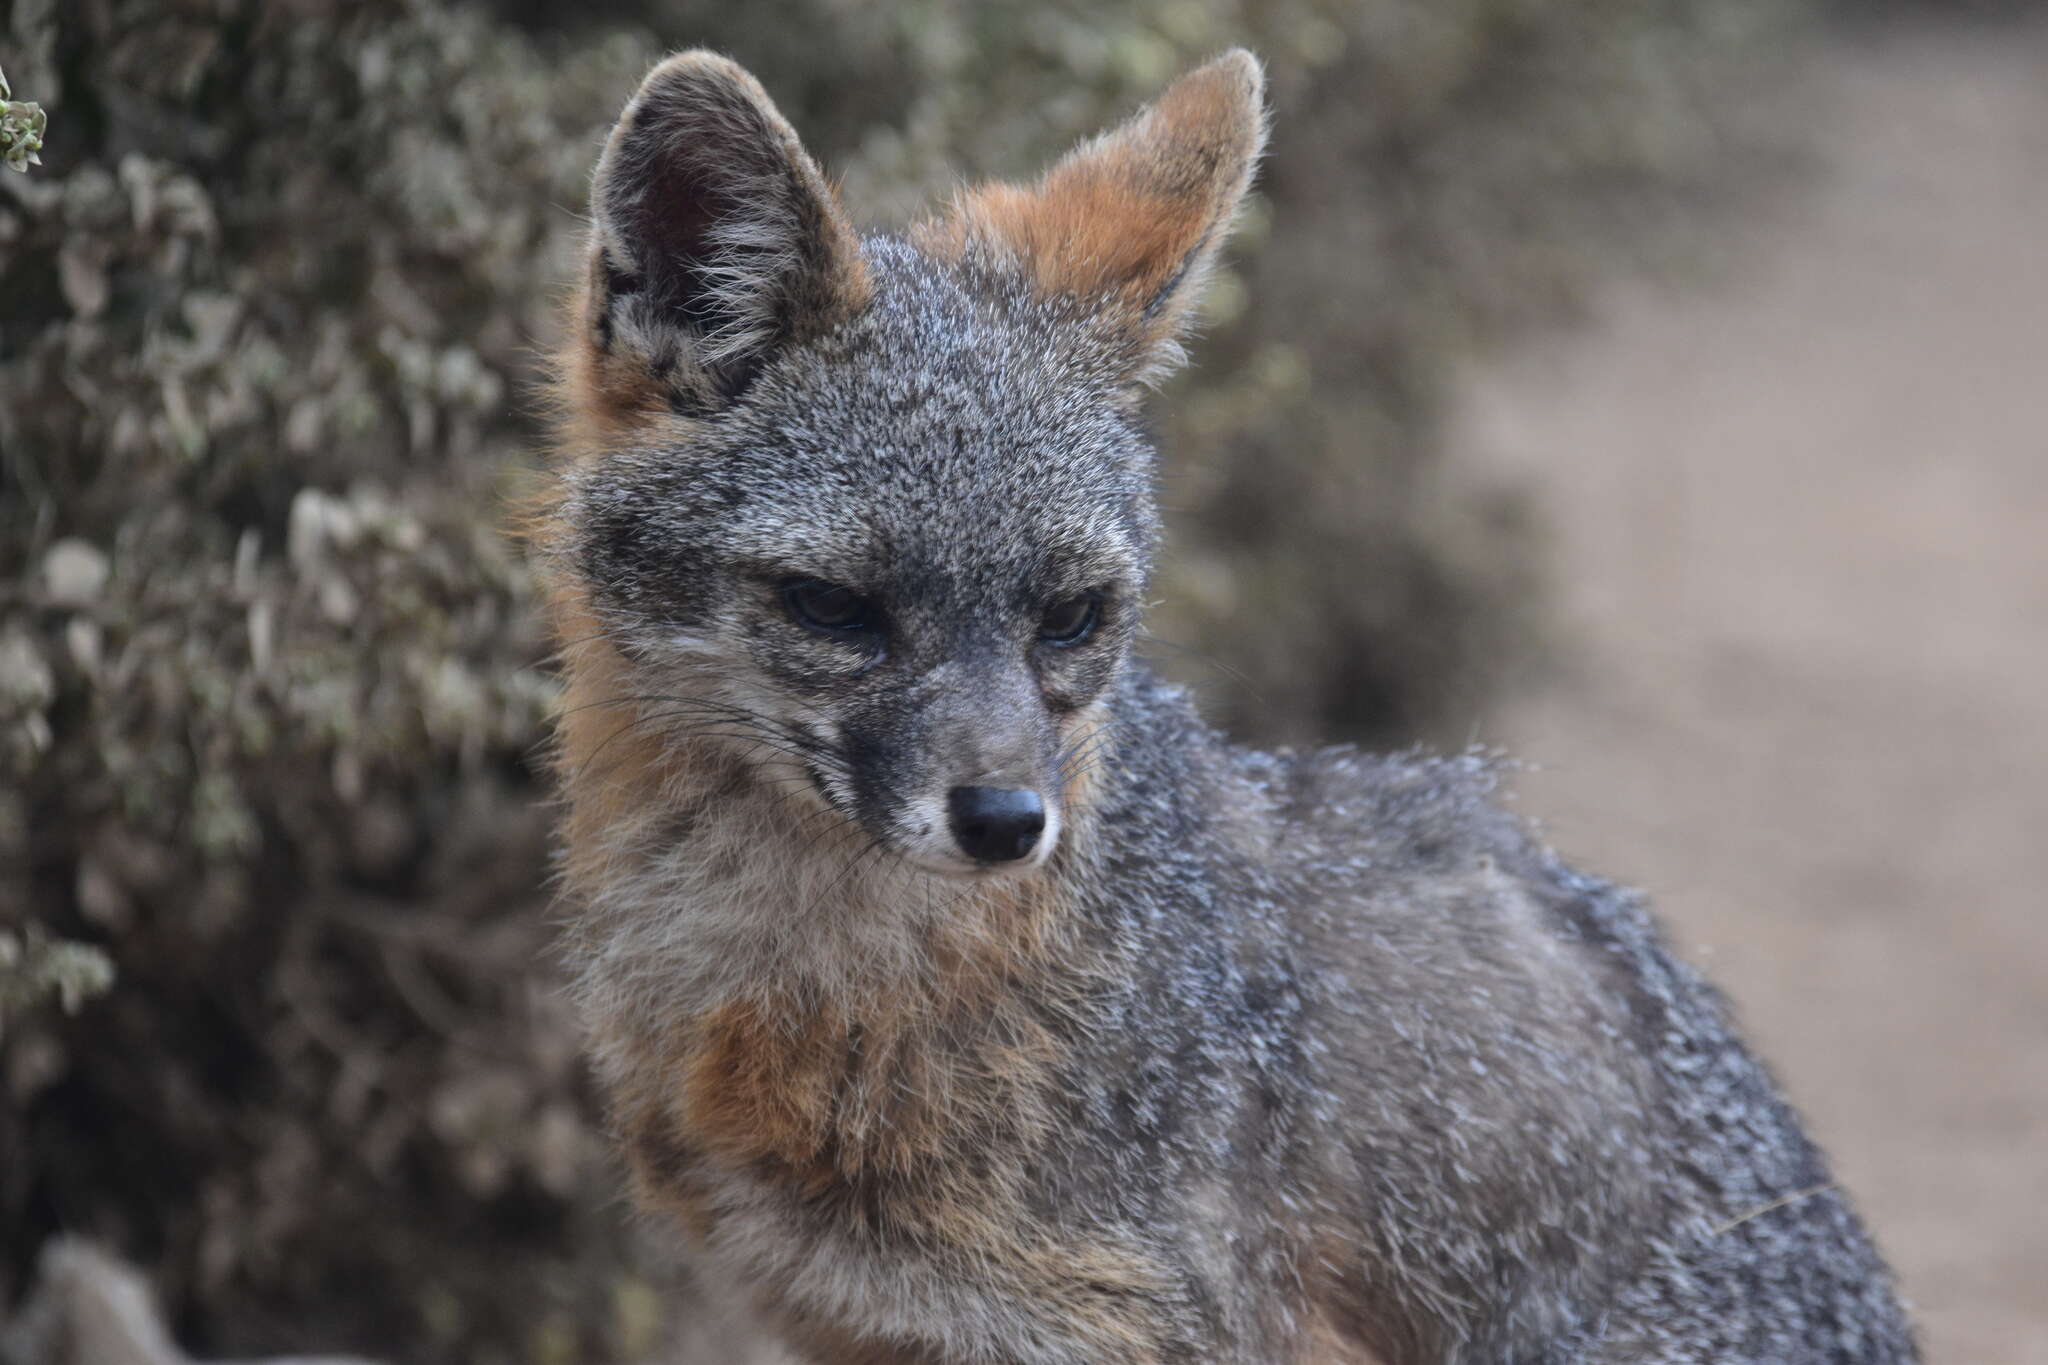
(956, 992)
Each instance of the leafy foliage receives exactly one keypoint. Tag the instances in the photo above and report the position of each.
(21, 130)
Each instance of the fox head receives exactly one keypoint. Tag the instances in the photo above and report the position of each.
(869, 520)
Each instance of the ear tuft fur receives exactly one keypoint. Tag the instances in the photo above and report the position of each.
(1130, 221)
(714, 238)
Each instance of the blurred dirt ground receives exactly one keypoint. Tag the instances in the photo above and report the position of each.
(1802, 521)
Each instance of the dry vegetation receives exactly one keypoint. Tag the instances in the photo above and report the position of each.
(270, 694)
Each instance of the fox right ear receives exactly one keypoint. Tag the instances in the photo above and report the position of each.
(1129, 222)
(714, 239)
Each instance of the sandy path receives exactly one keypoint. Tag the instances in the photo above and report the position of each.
(1802, 519)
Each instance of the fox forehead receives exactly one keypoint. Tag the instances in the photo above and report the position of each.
(946, 430)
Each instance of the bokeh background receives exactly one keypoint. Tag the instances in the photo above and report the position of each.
(1653, 389)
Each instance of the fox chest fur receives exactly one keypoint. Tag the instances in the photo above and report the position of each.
(856, 1111)
(987, 1117)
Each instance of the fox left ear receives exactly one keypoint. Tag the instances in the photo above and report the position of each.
(714, 239)
(1128, 224)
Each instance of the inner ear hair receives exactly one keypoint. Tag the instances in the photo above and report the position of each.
(715, 237)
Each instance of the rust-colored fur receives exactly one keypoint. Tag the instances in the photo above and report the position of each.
(1121, 221)
(806, 1090)
(614, 767)
(870, 1113)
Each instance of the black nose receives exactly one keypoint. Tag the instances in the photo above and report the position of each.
(996, 824)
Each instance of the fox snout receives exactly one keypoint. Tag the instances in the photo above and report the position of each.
(976, 770)
(975, 829)
(996, 824)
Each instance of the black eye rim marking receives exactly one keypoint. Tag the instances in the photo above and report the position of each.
(832, 610)
(1086, 609)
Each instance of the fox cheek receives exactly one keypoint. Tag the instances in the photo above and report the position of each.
(1072, 681)
(1075, 684)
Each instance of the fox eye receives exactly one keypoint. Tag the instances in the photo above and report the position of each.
(827, 607)
(1072, 621)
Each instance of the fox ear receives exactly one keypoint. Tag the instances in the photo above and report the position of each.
(714, 239)
(1129, 223)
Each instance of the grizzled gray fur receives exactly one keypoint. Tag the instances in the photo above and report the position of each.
(958, 993)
